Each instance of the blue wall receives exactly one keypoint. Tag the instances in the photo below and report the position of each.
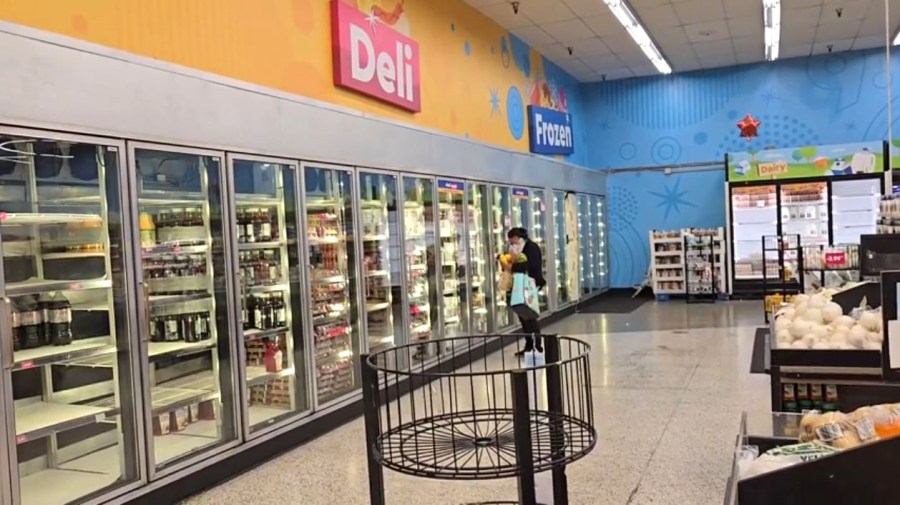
(691, 117)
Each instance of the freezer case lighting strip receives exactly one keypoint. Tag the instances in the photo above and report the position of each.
(634, 27)
(772, 24)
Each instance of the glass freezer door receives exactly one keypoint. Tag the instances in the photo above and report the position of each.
(585, 244)
(501, 222)
(268, 275)
(754, 215)
(854, 209)
(421, 259)
(453, 245)
(187, 328)
(596, 249)
(334, 314)
(601, 236)
(481, 259)
(381, 249)
(804, 212)
(538, 234)
(66, 309)
(559, 220)
(521, 209)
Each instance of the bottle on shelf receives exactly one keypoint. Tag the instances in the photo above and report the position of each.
(15, 323)
(250, 222)
(148, 230)
(265, 227)
(59, 320)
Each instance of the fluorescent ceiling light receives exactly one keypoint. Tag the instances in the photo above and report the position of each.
(623, 13)
(772, 24)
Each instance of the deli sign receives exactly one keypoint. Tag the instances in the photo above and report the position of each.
(373, 59)
(550, 131)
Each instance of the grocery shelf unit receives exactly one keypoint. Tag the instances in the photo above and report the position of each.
(700, 280)
(204, 304)
(783, 259)
(831, 207)
(667, 263)
(831, 265)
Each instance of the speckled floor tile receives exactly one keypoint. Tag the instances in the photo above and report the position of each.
(669, 384)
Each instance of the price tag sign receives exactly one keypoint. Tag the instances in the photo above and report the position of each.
(506, 221)
(835, 259)
(25, 365)
(21, 439)
(2, 217)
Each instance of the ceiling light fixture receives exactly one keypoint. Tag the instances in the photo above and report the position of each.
(772, 24)
(634, 27)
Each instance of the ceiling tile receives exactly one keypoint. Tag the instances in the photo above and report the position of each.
(742, 8)
(619, 73)
(533, 35)
(604, 25)
(795, 18)
(837, 31)
(723, 60)
(574, 66)
(602, 62)
(644, 70)
(748, 44)
(620, 43)
(675, 51)
(556, 52)
(712, 30)
(868, 42)
(799, 35)
(658, 17)
(836, 46)
(795, 50)
(633, 60)
(851, 10)
(671, 35)
(745, 26)
(750, 57)
(590, 47)
(687, 65)
(504, 16)
(805, 3)
(568, 31)
(637, 4)
(587, 8)
(714, 48)
(699, 11)
(544, 11)
(484, 3)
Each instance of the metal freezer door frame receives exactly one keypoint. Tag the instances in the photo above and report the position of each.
(233, 249)
(10, 491)
(144, 310)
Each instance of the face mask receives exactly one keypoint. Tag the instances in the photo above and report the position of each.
(516, 249)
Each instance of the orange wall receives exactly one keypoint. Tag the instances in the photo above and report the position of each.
(466, 59)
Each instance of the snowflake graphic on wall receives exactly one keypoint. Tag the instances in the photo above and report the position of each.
(672, 198)
(495, 102)
(769, 97)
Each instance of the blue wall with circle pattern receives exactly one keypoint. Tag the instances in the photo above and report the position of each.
(683, 118)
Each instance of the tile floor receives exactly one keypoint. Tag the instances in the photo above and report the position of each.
(670, 381)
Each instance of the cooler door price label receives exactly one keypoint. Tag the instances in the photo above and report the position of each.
(835, 259)
(21, 439)
(2, 217)
(506, 220)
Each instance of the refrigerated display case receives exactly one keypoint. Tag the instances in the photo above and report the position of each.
(600, 268)
(501, 222)
(854, 209)
(538, 234)
(804, 212)
(421, 268)
(188, 323)
(333, 282)
(585, 244)
(453, 246)
(521, 209)
(266, 211)
(560, 242)
(65, 305)
(480, 264)
(754, 211)
(382, 296)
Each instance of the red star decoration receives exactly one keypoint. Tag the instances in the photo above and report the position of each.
(749, 127)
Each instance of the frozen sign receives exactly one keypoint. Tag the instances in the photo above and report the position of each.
(374, 59)
(550, 131)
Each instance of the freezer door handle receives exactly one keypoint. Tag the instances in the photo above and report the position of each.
(6, 332)
(145, 292)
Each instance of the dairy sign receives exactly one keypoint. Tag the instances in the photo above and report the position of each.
(550, 131)
(373, 59)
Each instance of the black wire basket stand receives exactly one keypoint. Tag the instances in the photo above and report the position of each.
(479, 414)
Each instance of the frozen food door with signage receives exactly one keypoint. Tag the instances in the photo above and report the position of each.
(379, 220)
(453, 247)
(268, 275)
(188, 324)
(68, 332)
(539, 236)
(333, 283)
(480, 259)
(421, 268)
(563, 296)
(500, 224)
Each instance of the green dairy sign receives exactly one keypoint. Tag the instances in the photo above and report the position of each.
(809, 161)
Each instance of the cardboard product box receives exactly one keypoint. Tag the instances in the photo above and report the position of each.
(180, 418)
(161, 425)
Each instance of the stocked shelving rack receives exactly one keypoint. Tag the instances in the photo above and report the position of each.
(668, 267)
(784, 275)
(700, 280)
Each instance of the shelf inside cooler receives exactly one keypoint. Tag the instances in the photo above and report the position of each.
(156, 349)
(39, 286)
(39, 419)
(378, 273)
(181, 443)
(66, 486)
(267, 288)
(254, 333)
(376, 306)
(374, 238)
(166, 249)
(49, 354)
(256, 246)
(261, 414)
(44, 218)
(258, 375)
(166, 399)
(255, 199)
(333, 279)
(324, 240)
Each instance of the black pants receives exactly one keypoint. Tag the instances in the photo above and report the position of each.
(532, 327)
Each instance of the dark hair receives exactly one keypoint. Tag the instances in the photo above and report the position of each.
(522, 233)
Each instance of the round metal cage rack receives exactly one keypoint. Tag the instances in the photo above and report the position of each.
(475, 413)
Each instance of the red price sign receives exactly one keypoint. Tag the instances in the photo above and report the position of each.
(835, 259)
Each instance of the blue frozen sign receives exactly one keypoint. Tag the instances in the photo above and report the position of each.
(550, 131)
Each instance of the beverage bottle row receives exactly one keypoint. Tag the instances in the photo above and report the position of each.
(264, 312)
(255, 225)
(181, 327)
(169, 265)
(179, 217)
(259, 267)
(43, 321)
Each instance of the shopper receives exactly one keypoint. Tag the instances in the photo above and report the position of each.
(534, 268)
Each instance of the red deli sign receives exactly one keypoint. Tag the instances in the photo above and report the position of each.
(374, 59)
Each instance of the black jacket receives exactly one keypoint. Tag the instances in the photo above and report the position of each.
(535, 265)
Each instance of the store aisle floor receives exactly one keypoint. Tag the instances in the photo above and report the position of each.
(670, 383)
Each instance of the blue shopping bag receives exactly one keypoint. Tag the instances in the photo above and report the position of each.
(523, 298)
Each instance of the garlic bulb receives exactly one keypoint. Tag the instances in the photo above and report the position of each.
(874, 336)
(814, 316)
(869, 320)
(816, 302)
(844, 321)
(831, 311)
(801, 298)
(800, 328)
(782, 324)
(857, 336)
(810, 340)
(798, 344)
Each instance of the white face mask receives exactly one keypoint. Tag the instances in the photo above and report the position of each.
(516, 249)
